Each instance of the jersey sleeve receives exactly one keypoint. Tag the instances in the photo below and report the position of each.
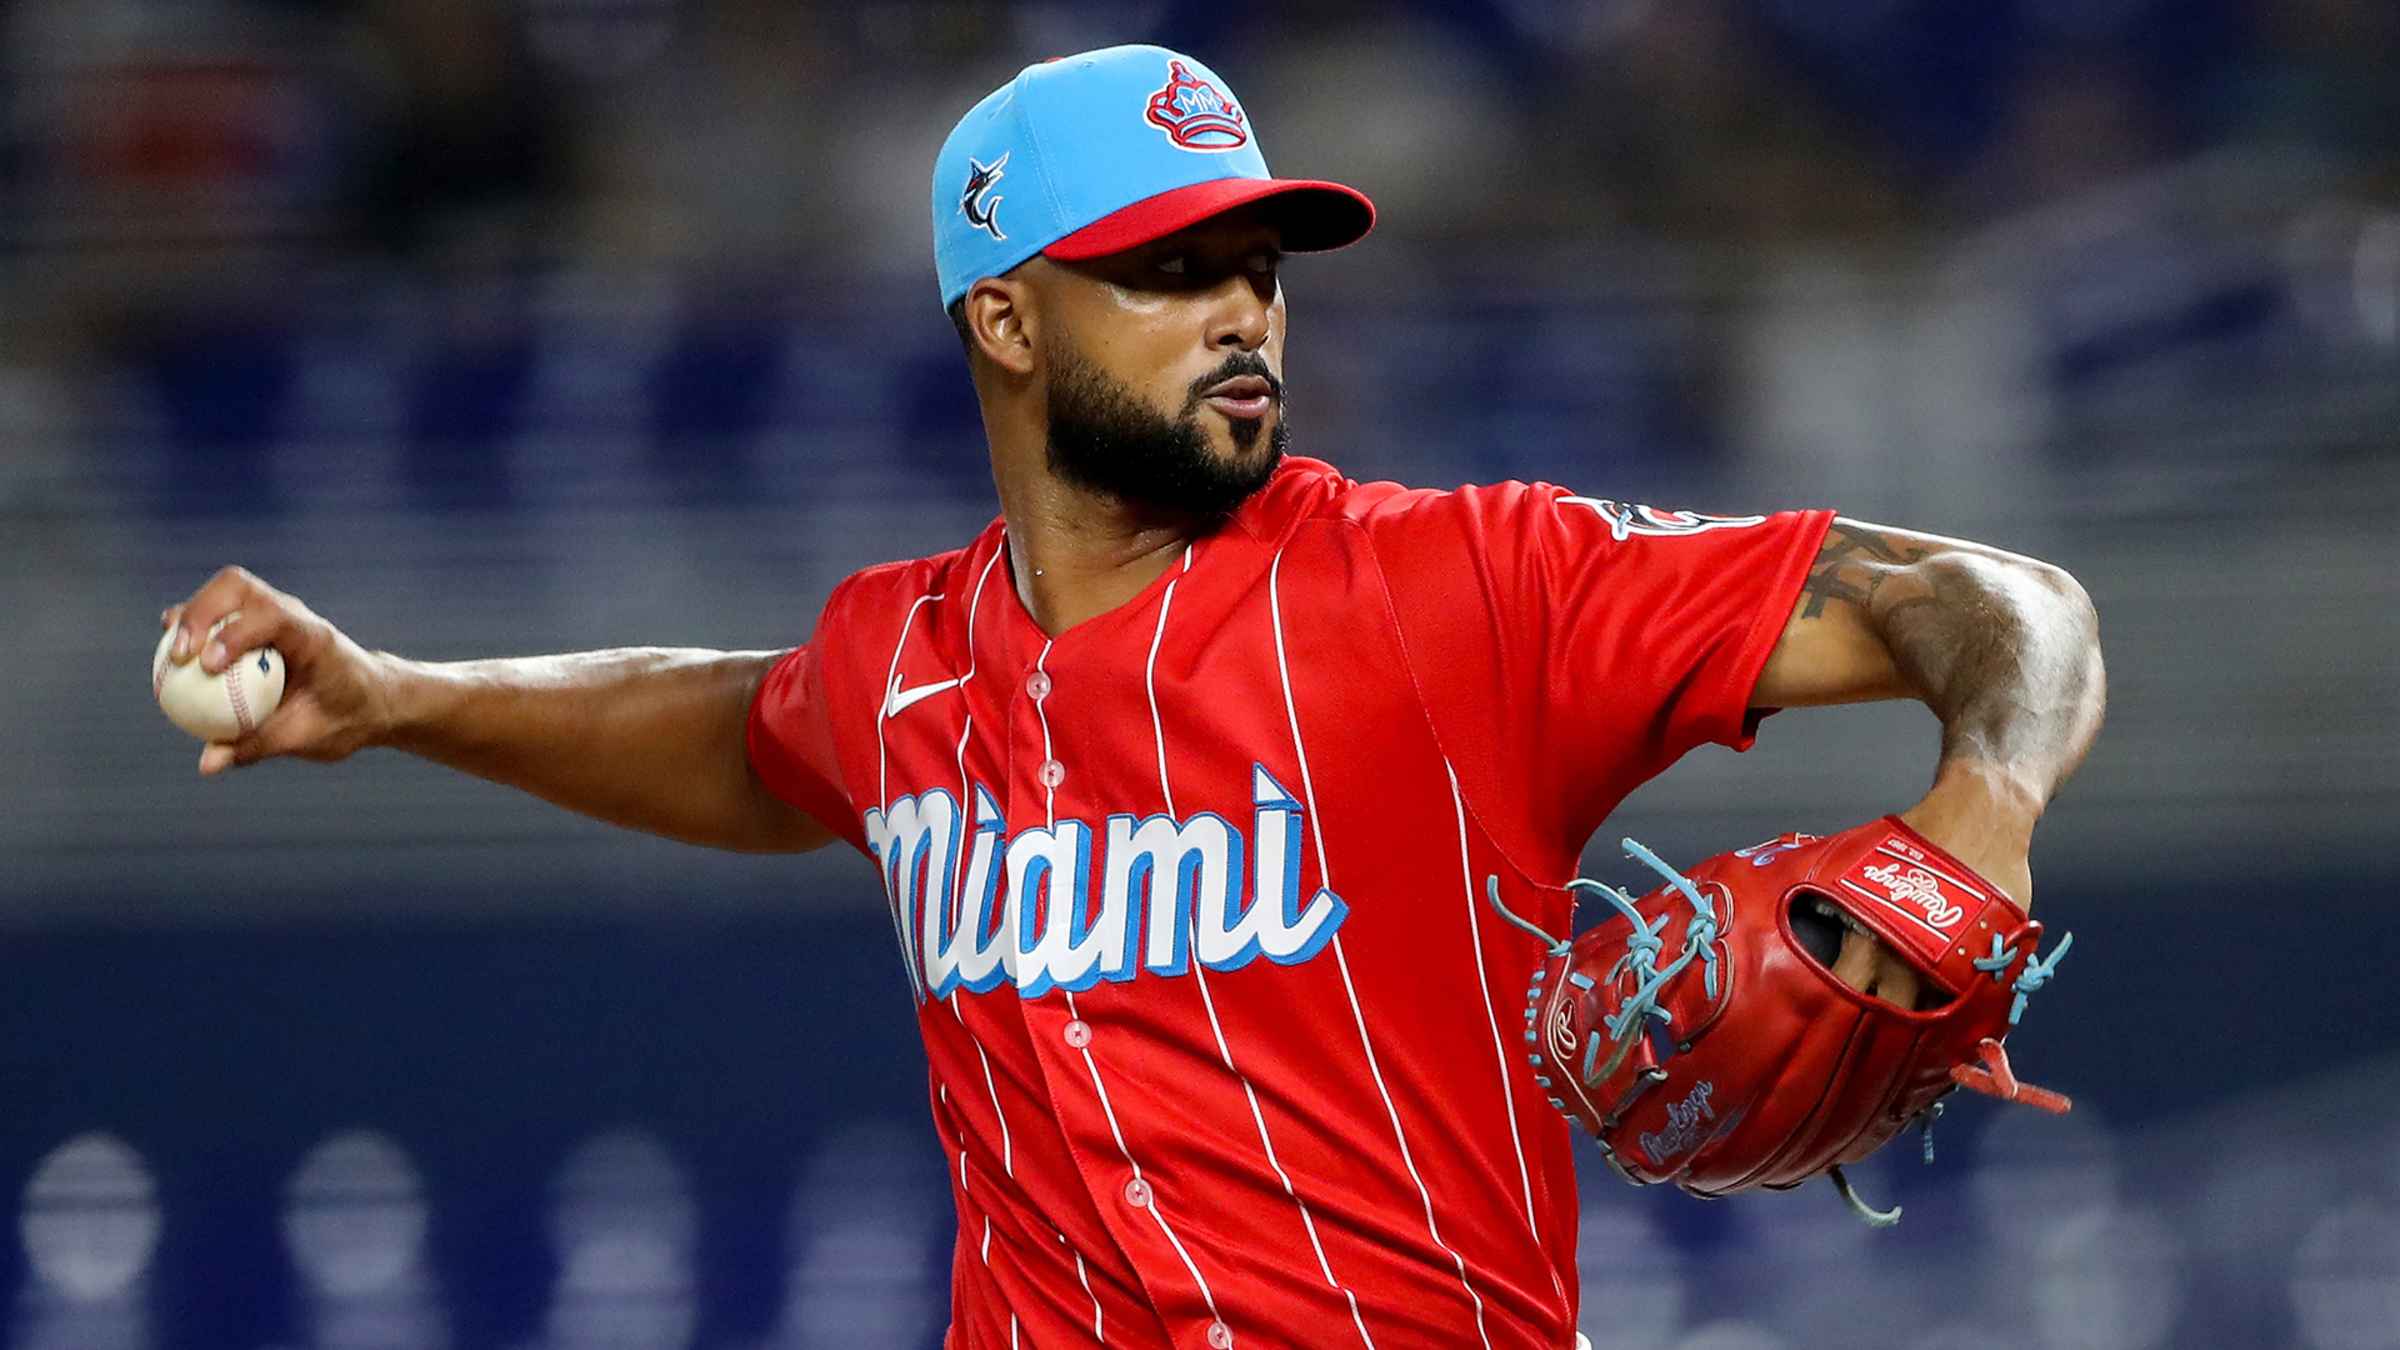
(791, 743)
(1573, 647)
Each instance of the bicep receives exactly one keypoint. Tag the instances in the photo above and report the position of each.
(777, 826)
(1828, 654)
(1833, 648)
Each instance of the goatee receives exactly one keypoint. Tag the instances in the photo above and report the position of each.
(1105, 439)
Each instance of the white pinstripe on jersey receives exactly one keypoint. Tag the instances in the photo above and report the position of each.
(1155, 1209)
(983, 1251)
(1008, 1160)
(1508, 1096)
(904, 923)
(975, 603)
(957, 896)
(1086, 1281)
(901, 923)
(1200, 972)
(1466, 874)
(1341, 963)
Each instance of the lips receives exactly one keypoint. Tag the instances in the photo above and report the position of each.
(1241, 396)
(1240, 386)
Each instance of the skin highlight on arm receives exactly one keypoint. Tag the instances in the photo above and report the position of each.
(2002, 648)
(652, 739)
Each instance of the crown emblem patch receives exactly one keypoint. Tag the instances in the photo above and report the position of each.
(1196, 114)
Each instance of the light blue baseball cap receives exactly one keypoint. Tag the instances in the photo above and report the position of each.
(1088, 155)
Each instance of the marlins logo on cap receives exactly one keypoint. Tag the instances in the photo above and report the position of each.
(1108, 150)
(977, 203)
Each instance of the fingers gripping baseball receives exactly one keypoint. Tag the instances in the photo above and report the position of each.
(332, 700)
(1874, 969)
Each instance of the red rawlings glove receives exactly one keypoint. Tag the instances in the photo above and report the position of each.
(1701, 1035)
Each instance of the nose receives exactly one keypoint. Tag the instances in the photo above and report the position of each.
(1243, 317)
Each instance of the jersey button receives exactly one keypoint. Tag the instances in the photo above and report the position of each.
(1137, 1193)
(1038, 685)
(1053, 773)
(1220, 1336)
(1078, 1033)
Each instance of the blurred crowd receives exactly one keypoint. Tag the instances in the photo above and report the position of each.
(763, 135)
(229, 224)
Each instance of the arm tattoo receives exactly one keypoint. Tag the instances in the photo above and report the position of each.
(2004, 650)
(1853, 565)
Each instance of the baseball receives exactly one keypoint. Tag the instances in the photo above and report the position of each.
(217, 707)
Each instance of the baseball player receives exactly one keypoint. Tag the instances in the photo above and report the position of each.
(1198, 780)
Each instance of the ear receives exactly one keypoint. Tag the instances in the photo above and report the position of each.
(1000, 323)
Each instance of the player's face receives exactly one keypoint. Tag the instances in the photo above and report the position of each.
(1164, 368)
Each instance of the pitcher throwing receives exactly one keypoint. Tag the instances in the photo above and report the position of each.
(1223, 804)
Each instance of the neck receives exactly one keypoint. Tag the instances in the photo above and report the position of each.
(1075, 554)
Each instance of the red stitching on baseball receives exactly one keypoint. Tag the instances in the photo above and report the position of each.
(233, 692)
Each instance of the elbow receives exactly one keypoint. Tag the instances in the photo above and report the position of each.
(2074, 623)
(2018, 610)
(2072, 601)
(2042, 596)
(2055, 616)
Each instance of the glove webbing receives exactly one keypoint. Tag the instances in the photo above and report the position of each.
(1643, 945)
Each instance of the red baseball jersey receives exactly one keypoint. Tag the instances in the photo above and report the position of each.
(1224, 1045)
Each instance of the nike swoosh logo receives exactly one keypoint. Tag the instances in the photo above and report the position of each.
(897, 698)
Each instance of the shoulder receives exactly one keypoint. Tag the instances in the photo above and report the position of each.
(885, 592)
(1477, 517)
(1309, 491)
(1499, 527)
(873, 610)
(1512, 517)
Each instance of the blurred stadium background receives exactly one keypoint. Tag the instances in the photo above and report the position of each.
(496, 327)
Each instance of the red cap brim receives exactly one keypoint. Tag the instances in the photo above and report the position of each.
(1315, 216)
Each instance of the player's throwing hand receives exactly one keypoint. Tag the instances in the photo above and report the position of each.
(335, 696)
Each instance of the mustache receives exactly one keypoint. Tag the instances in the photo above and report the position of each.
(1238, 364)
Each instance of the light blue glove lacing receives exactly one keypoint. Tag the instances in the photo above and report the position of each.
(2036, 973)
(1643, 945)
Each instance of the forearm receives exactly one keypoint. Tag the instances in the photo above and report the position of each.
(649, 738)
(2006, 652)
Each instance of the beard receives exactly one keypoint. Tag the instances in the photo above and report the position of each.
(1105, 439)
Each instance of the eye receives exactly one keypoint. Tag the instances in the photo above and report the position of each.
(1172, 265)
(1265, 263)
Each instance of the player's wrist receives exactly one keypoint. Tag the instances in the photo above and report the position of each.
(403, 700)
(1995, 793)
(1983, 815)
